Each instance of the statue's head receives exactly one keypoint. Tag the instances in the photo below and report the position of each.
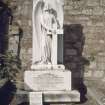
(45, 5)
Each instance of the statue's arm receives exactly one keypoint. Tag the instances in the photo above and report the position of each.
(45, 26)
(56, 21)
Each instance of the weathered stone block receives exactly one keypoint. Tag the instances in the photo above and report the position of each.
(102, 2)
(68, 7)
(98, 74)
(87, 11)
(60, 96)
(52, 97)
(47, 80)
(13, 44)
(95, 23)
(88, 74)
(92, 2)
(36, 98)
(93, 65)
(98, 11)
(75, 12)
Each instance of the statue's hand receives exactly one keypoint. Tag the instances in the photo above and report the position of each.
(54, 32)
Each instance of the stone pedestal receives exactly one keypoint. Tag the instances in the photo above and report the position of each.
(56, 97)
(48, 67)
(51, 86)
(47, 80)
(36, 98)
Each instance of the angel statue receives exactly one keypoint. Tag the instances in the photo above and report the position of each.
(46, 23)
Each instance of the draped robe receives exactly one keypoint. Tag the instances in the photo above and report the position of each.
(42, 41)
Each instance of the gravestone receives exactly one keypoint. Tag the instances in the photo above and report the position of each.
(48, 80)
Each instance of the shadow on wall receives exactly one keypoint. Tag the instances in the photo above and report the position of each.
(8, 90)
(74, 41)
(7, 93)
(5, 20)
(19, 44)
(5, 16)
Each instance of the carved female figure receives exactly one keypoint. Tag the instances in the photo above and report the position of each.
(45, 25)
(48, 27)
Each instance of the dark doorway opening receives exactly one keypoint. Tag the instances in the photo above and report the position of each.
(74, 41)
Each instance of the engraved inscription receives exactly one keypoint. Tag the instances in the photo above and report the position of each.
(48, 80)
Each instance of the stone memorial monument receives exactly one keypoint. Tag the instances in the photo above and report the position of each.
(48, 80)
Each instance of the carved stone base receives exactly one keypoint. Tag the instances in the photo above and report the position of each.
(57, 97)
(35, 98)
(48, 67)
(47, 80)
(54, 97)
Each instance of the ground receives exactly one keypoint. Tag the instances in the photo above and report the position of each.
(95, 93)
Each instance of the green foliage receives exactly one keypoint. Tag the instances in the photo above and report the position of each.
(7, 1)
(10, 66)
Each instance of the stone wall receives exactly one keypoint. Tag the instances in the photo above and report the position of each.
(89, 14)
(22, 29)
